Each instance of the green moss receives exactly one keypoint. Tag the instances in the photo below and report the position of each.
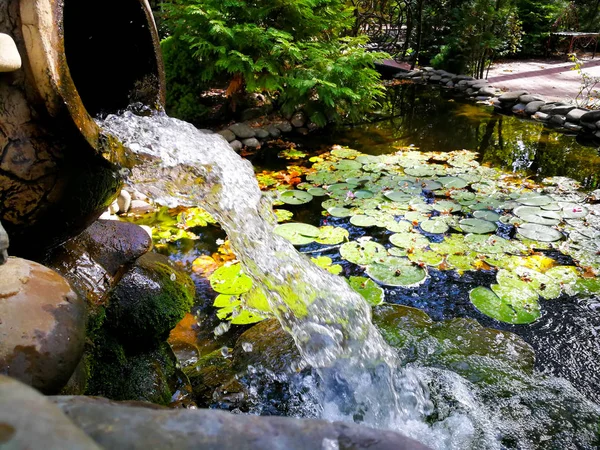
(149, 301)
(210, 372)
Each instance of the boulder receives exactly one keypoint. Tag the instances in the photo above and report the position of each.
(572, 126)
(242, 130)
(450, 84)
(228, 135)
(10, 59)
(562, 110)
(261, 133)
(487, 91)
(28, 420)
(548, 108)
(512, 97)
(541, 116)
(557, 119)
(273, 131)
(519, 108)
(122, 426)
(298, 119)
(236, 145)
(533, 107)
(285, 126)
(149, 300)
(252, 113)
(251, 143)
(590, 117)
(575, 115)
(435, 78)
(528, 98)
(42, 325)
(124, 201)
(460, 78)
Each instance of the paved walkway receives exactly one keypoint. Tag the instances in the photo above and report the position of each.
(551, 78)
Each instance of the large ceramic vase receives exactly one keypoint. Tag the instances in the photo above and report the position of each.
(80, 59)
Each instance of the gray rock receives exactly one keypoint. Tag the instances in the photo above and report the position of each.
(597, 134)
(114, 207)
(285, 126)
(590, 117)
(124, 201)
(597, 124)
(435, 78)
(487, 91)
(4, 243)
(242, 130)
(557, 119)
(575, 115)
(416, 74)
(450, 84)
(479, 86)
(303, 131)
(28, 420)
(236, 145)
(528, 98)
(475, 82)
(562, 110)
(428, 69)
(572, 126)
(511, 97)
(228, 135)
(463, 77)
(471, 91)
(137, 195)
(120, 426)
(251, 143)
(140, 207)
(588, 125)
(298, 119)
(274, 131)
(10, 59)
(542, 117)
(548, 108)
(445, 80)
(312, 126)
(261, 133)
(42, 331)
(533, 107)
(519, 108)
(463, 82)
(482, 98)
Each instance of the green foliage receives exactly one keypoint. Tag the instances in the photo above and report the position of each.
(538, 16)
(295, 48)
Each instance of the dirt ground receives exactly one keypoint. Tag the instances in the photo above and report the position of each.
(551, 78)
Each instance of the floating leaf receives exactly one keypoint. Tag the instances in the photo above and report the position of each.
(339, 212)
(446, 206)
(283, 215)
(325, 262)
(435, 226)
(371, 291)
(295, 197)
(297, 233)
(540, 233)
(329, 235)
(230, 280)
(394, 271)
(486, 214)
(409, 240)
(362, 253)
(477, 226)
(317, 192)
(363, 221)
(535, 200)
(506, 304)
(453, 182)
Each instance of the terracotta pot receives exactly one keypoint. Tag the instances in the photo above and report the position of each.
(79, 59)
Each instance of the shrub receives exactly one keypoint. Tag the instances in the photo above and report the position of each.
(295, 48)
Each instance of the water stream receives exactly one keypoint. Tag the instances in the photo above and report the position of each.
(362, 378)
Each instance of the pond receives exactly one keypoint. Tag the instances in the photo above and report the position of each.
(437, 204)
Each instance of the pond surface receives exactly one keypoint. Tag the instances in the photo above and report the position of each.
(417, 121)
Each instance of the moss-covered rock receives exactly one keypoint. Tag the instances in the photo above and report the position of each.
(479, 354)
(149, 301)
(119, 374)
(208, 374)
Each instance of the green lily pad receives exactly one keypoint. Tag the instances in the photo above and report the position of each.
(453, 182)
(325, 262)
(446, 206)
(371, 291)
(486, 214)
(460, 262)
(283, 215)
(573, 211)
(230, 280)
(317, 192)
(329, 235)
(535, 200)
(362, 253)
(397, 227)
(348, 164)
(427, 257)
(507, 304)
(430, 185)
(297, 233)
(409, 240)
(394, 271)
(477, 226)
(364, 221)
(295, 197)
(540, 233)
(398, 196)
(546, 286)
(436, 225)
(340, 212)
(363, 194)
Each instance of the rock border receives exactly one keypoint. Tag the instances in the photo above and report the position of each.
(563, 116)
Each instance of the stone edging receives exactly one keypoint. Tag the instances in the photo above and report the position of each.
(565, 116)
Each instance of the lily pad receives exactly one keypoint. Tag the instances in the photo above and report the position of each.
(339, 212)
(295, 197)
(230, 280)
(394, 271)
(283, 215)
(453, 182)
(317, 192)
(297, 233)
(540, 233)
(363, 221)
(446, 206)
(398, 196)
(486, 214)
(436, 225)
(362, 253)
(535, 200)
(507, 304)
(409, 240)
(371, 291)
(477, 226)
(329, 235)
